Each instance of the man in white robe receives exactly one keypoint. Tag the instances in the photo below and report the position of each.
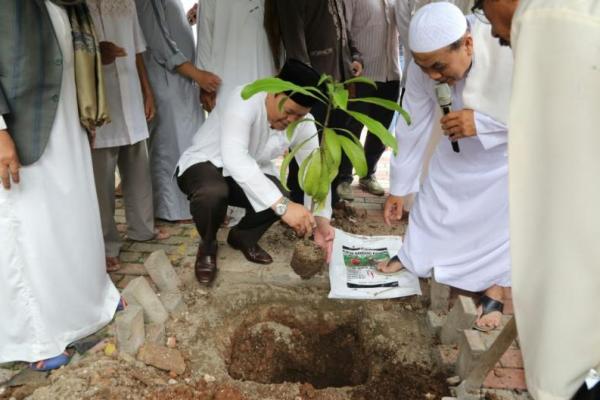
(458, 226)
(554, 161)
(54, 288)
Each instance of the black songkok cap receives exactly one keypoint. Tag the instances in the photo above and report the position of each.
(300, 74)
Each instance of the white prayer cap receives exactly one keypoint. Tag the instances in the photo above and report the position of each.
(435, 26)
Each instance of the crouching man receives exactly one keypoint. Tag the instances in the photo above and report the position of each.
(231, 163)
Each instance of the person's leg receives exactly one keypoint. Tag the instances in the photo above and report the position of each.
(137, 191)
(489, 310)
(207, 192)
(104, 163)
(585, 393)
(247, 233)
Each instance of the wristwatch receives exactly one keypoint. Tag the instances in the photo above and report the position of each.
(282, 206)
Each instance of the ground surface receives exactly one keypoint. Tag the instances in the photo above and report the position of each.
(261, 332)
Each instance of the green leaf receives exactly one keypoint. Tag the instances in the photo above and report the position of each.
(324, 183)
(356, 154)
(274, 85)
(340, 97)
(283, 170)
(302, 170)
(390, 105)
(361, 79)
(313, 173)
(332, 145)
(376, 128)
(292, 127)
(324, 78)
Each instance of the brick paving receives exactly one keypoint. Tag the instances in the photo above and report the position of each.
(506, 381)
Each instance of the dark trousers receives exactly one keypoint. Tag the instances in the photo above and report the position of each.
(337, 119)
(209, 193)
(374, 148)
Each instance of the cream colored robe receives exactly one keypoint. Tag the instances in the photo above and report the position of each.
(554, 155)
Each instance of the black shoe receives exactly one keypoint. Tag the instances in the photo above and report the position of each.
(206, 266)
(254, 253)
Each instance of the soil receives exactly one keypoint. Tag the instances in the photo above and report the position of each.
(308, 259)
(263, 333)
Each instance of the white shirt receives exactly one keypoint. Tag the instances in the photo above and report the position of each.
(2, 123)
(232, 42)
(237, 137)
(372, 24)
(116, 21)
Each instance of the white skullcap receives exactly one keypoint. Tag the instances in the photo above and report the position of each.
(436, 26)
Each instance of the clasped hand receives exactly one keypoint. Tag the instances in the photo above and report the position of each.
(459, 124)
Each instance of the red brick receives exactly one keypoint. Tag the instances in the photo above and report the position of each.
(506, 378)
(512, 359)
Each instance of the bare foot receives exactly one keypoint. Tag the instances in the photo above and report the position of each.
(161, 234)
(491, 318)
(112, 264)
(390, 266)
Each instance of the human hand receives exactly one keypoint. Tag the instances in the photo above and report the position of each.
(91, 134)
(149, 107)
(357, 68)
(299, 219)
(392, 209)
(192, 15)
(208, 81)
(459, 124)
(324, 235)
(109, 52)
(208, 100)
(9, 160)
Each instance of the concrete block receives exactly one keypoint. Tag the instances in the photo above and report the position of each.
(461, 317)
(435, 321)
(162, 273)
(155, 334)
(139, 292)
(440, 296)
(129, 329)
(173, 302)
(470, 349)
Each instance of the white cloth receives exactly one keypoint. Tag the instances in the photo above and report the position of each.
(459, 222)
(116, 21)
(232, 42)
(237, 137)
(436, 26)
(54, 288)
(2, 123)
(491, 65)
(554, 192)
(374, 21)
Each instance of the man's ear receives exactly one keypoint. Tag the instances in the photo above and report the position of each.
(469, 43)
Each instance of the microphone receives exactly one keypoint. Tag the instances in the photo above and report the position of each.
(444, 98)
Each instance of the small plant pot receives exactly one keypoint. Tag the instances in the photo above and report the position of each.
(308, 259)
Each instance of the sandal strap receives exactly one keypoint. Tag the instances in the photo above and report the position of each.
(489, 305)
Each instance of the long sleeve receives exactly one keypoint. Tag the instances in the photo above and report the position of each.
(236, 131)
(3, 103)
(490, 132)
(205, 28)
(407, 165)
(403, 15)
(290, 14)
(153, 22)
(303, 132)
(348, 7)
(139, 40)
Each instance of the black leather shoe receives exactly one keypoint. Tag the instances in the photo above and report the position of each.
(255, 253)
(206, 266)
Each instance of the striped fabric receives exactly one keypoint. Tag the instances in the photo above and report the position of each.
(372, 26)
(30, 75)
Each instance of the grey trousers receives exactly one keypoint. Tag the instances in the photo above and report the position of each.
(136, 184)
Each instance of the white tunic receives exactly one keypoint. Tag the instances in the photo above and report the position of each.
(237, 137)
(459, 223)
(54, 288)
(116, 21)
(232, 42)
(555, 192)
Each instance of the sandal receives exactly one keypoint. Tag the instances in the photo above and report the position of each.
(488, 306)
(51, 363)
(113, 264)
(122, 305)
(159, 234)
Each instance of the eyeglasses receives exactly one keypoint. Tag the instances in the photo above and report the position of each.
(477, 11)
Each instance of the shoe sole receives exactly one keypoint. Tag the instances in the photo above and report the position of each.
(364, 188)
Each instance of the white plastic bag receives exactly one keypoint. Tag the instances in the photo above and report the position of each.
(353, 268)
